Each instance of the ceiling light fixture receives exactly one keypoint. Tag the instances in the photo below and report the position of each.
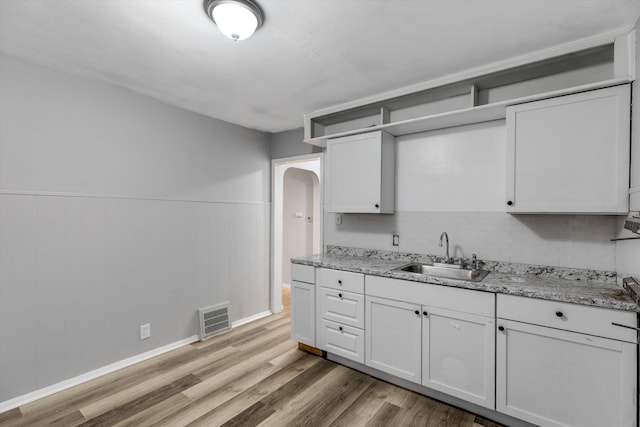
(237, 19)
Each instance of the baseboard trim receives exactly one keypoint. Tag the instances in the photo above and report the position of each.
(63, 385)
(251, 318)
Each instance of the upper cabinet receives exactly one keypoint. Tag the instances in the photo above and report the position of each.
(570, 154)
(360, 171)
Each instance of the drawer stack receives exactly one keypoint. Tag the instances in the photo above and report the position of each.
(341, 313)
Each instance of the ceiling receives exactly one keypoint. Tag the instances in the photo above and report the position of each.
(309, 54)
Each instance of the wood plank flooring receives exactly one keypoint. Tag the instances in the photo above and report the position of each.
(252, 375)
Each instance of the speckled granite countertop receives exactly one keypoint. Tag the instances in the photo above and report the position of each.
(586, 287)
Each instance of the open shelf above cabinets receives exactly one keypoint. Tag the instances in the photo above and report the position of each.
(480, 97)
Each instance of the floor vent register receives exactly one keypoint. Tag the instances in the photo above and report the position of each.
(214, 320)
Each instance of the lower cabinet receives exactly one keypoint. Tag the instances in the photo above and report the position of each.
(441, 348)
(545, 362)
(557, 377)
(303, 313)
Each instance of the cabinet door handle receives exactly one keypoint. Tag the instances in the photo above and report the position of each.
(377, 206)
(501, 328)
(339, 282)
(425, 313)
(417, 312)
(340, 296)
(509, 203)
(559, 314)
(340, 327)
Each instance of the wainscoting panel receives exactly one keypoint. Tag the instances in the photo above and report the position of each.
(80, 274)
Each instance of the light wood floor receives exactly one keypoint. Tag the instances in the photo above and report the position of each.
(286, 302)
(251, 375)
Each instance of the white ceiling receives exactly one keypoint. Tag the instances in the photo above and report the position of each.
(308, 55)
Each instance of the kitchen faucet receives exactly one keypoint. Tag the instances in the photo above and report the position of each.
(447, 259)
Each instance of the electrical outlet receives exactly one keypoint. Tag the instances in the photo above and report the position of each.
(396, 238)
(145, 331)
(338, 218)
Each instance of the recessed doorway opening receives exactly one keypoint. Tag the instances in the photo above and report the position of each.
(297, 217)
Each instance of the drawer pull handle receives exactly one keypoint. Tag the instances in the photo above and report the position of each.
(625, 326)
(340, 327)
(501, 328)
(417, 312)
(340, 296)
(559, 314)
(425, 313)
(339, 282)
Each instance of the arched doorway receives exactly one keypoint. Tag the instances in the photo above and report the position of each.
(302, 170)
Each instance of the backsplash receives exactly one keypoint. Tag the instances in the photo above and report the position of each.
(571, 241)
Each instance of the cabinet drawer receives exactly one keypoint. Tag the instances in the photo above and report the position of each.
(342, 340)
(571, 317)
(303, 273)
(343, 307)
(342, 280)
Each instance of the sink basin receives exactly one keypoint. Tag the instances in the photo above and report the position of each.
(452, 272)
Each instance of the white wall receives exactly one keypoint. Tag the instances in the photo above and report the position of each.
(297, 231)
(118, 210)
(453, 180)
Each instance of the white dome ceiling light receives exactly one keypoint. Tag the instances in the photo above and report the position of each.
(237, 19)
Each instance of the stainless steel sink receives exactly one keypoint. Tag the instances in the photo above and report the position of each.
(448, 272)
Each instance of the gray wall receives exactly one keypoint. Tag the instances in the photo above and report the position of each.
(117, 210)
(289, 144)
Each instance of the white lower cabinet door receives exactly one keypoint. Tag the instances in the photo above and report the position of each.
(342, 340)
(393, 337)
(303, 312)
(458, 355)
(552, 377)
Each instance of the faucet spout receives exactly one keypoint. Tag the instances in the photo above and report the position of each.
(447, 259)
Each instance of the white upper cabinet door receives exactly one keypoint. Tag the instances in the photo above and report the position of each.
(570, 154)
(361, 173)
(458, 355)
